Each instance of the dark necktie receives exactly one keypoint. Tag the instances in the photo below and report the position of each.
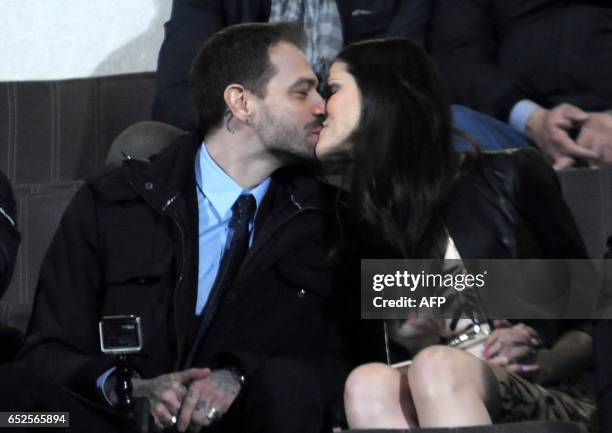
(238, 242)
(235, 249)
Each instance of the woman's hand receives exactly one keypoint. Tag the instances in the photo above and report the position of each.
(514, 347)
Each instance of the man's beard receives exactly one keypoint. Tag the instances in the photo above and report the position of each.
(285, 140)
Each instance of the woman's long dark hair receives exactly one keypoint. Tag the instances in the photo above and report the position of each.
(403, 153)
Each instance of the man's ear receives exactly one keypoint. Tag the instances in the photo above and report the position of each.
(238, 102)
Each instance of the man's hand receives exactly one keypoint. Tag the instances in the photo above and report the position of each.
(596, 135)
(166, 393)
(550, 129)
(513, 347)
(208, 399)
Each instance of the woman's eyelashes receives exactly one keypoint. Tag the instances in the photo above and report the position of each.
(328, 90)
(324, 91)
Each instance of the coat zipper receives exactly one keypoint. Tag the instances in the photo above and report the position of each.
(175, 219)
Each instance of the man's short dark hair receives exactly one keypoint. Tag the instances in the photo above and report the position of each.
(237, 54)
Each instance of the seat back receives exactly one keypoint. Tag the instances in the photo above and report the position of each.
(588, 192)
(39, 210)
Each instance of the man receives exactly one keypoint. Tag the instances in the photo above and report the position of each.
(541, 65)
(247, 340)
(329, 24)
(10, 338)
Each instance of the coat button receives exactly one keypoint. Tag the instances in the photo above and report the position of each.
(149, 185)
(301, 293)
(231, 297)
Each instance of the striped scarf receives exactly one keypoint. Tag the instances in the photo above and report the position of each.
(322, 25)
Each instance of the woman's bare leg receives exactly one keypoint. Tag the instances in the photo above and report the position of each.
(377, 396)
(451, 388)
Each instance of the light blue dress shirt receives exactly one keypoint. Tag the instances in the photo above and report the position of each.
(217, 192)
(520, 114)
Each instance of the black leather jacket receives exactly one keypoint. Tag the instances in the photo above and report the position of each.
(508, 205)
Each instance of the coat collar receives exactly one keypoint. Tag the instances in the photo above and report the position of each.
(172, 172)
(160, 181)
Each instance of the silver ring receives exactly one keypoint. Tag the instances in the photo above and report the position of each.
(172, 421)
(213, 414)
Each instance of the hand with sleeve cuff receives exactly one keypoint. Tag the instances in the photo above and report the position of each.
(596, 136)
(166, 393)
(550, 130)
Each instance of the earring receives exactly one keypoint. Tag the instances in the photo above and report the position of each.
(229, 116)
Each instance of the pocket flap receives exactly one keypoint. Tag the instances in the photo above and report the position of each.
(138, 272)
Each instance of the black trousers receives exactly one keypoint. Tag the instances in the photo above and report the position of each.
(282, 396)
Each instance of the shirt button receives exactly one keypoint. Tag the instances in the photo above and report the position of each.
(301, 293)
(149, 185)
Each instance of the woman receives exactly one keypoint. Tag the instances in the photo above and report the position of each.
(412, 196)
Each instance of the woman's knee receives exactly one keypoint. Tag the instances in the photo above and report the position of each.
(369, 386)
(439, 370)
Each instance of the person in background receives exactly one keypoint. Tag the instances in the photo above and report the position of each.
(9, 236)
(543, 66)
(10, 338)
(329, 25)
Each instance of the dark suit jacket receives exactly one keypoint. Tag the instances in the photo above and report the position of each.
(193, 21)
(128, 244)
(494, 53)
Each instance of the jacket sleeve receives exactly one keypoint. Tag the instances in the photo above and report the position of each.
(62, 339)
(9, 236)
(464, 45)
(191, 23)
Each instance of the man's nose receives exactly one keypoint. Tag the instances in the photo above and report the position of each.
(319, 105)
